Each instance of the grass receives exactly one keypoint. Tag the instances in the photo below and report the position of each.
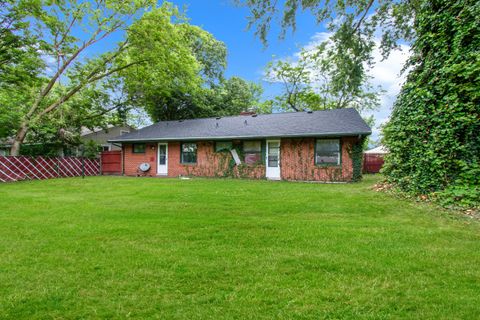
(114, 247)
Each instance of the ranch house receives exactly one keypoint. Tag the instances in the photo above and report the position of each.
(305, 146)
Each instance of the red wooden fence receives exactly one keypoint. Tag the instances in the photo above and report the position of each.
(29, 168)
(372, 162)
(112, 162)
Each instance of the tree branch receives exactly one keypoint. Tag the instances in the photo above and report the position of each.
(81, 85)
(369, 5)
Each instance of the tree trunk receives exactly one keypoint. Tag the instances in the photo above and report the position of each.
(19, 137)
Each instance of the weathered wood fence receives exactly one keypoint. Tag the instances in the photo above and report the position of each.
(111, 162)
(29, 168)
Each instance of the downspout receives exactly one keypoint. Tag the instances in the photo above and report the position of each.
(123, 160)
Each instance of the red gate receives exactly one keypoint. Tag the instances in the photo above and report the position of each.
(112, 162)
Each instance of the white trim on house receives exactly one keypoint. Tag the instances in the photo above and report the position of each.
(162, 170)
(272, 173)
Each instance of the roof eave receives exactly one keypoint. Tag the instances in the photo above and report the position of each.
(303, 135)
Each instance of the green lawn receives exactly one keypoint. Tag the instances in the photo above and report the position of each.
(114, 247)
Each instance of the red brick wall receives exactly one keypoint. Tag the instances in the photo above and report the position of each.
(133, 160)
(209, 163)
(297, 162)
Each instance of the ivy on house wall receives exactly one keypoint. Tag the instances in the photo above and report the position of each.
(355, 151)
(222, 165)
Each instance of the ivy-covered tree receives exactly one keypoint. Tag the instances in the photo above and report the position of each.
(434, 132)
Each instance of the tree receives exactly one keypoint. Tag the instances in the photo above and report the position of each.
(56, 26)
(354, 23)
(167, 84)
(340, 63)
(298, 94)
(315, 82)
(233, 96)
(20, 64)
(186, 80)
(433, 134)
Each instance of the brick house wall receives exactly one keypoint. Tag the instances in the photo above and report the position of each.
(296, 162)
(210, 163)
(131, 160)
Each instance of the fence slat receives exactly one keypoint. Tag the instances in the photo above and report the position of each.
(22, 168)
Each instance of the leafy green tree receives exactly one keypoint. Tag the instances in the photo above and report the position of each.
(433, 135)
(233, 96)
(65, 31)
(341, 62)
(315, 82)
(353, 24)
(169, 51)
(229, 97)
(184, 80)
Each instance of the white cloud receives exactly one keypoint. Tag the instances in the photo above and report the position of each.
(387, 74)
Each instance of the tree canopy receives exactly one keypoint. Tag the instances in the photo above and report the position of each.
(60, 72)
(53, 40)
(185, 80)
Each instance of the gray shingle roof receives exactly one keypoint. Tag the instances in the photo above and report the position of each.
(338, 122)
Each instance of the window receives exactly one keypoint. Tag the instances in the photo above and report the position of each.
(273, 152)
(223, 146)
(327, 152)
(139, 148)
(105, 148)
(252, 151)
(189, 153)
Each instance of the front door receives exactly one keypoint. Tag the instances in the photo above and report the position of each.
(162, 167)
(273, 159)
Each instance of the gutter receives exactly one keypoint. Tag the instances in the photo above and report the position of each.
(303, 135)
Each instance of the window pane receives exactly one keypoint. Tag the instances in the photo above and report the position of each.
(162, 154)
(223, 145)
(189, 147)
(252, 146)
(273, 152)
(189, 153)
(327, 151)
(252, 158)
(328, 159)
(139, 148)
(329, 145)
